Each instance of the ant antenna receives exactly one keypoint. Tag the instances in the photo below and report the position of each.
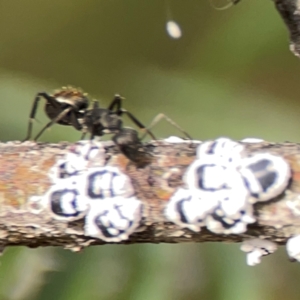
(173, 29)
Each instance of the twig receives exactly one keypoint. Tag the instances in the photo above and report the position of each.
(24, 171)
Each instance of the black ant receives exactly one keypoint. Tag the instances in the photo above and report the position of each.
(69, 106)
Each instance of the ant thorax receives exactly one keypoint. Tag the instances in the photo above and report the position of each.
(99, 121)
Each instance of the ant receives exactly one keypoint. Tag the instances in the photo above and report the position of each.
(69, 106)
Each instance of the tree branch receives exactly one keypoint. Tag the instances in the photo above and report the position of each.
(24, 169)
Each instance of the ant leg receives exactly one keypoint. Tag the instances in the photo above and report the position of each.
(74, 121)
(117, 101)
(95, 107)
(159, 117)
(34, 109)
(52, 122)
(138, 123)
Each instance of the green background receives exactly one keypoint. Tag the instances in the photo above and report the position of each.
(231, 74)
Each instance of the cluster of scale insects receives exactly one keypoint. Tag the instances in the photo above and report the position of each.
(220, 186)
(84, 187)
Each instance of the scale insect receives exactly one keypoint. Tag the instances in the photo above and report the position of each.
(114, 219)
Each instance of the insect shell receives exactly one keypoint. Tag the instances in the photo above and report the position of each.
(189, 209)
(293, 248)
(114, 219)
(209, 175)
(106, 182)
(256, 248)
(265, 175)
(222, 151)
(65, 202)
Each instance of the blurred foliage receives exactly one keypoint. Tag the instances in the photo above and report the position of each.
(231, 74)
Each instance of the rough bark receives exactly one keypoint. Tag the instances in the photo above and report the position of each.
(23, 173)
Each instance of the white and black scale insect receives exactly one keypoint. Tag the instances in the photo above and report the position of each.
(257, 248)
(265, 175)
(293, 248)
(106, 182)
(65, 202)
(222, 169)
(113, 219)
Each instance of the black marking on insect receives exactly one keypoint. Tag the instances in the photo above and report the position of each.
(64, 173)
(65, 107)
(201, 176)
(265, 175)
(107, 182)
(59, 208)
(212, 147)
(180, 209)
(227, 225)
(92, 187)
(107, 227)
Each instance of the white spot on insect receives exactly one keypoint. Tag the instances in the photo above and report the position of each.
(293, 247)
(189, 209)
(106, 182)
(205, 176)
(65, 202)
(256, 248)
(234, 199)
(266, 175)
(173, 29)
(222, 151)
(114, 219)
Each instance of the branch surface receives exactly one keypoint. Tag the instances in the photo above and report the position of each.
(24, 171)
